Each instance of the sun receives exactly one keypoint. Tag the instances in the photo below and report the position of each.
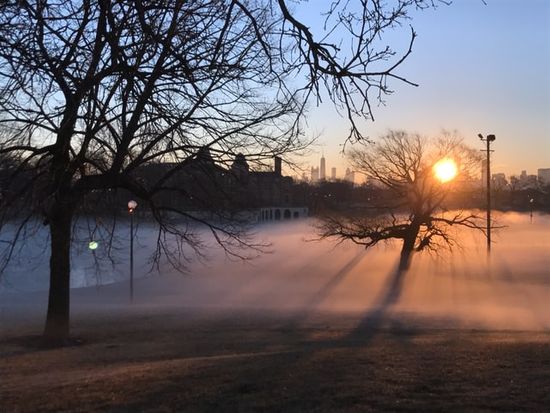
(445, 170)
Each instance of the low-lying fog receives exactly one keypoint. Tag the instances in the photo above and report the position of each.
(309, 278)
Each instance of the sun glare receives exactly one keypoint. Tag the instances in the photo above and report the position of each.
(445, 170)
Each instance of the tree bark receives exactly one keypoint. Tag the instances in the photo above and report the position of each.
(58, 317)
(408, 247)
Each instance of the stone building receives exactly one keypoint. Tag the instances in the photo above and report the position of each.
(201, 184)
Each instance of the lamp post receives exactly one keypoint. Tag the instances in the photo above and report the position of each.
(132, 205)
(488, 139)
(531, 207)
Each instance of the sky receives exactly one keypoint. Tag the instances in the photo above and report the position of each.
(482, 68)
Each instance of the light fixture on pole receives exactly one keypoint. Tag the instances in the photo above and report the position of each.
(132, 205)
(488, 139)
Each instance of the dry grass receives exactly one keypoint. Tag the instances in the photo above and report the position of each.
(236, 361)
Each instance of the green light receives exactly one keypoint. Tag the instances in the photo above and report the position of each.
(93, 245)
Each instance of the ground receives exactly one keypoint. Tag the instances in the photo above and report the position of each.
(175, 360)
(308, 327)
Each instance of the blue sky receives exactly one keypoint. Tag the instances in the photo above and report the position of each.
(481, 69)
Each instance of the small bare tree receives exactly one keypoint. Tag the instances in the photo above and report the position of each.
(403, 164)
(93, 91)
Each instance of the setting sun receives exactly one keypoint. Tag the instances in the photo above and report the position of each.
(445, 170)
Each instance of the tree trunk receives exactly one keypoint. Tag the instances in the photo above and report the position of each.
(405, 258)
(57, 320)
(408, 248)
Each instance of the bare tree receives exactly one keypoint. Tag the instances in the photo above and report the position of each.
(93, 91)
(404, 165)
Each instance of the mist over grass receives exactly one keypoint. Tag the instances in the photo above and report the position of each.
(303, 278)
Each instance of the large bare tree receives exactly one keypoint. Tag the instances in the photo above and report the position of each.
(91, 91)
(405, 165)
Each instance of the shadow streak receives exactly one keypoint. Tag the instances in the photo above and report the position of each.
(325, 290)
(375, 318)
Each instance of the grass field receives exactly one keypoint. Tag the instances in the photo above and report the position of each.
(234, 361)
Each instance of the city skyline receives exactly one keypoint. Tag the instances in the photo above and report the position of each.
(318, 173)
(315, 173)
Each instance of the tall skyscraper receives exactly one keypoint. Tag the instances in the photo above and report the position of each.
(314, 174)
(350, 175)
(544, 176)
(323, 171)
(333, 173)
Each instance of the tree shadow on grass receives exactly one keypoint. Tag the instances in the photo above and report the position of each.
(376, 318)
(325, 290)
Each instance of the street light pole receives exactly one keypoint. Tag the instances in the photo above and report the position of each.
(489, 139)
(131, 208)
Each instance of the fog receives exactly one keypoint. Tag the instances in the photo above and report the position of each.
(305, 278)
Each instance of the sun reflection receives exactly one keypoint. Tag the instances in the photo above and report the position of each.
(445, 170)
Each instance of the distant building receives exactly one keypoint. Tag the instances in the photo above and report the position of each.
(314, 174)
(527, 181)
(203, 186)
(323, 170)
(350, 175)
(514, 182)
(499, 181)
(333, 173)
(543, 175)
